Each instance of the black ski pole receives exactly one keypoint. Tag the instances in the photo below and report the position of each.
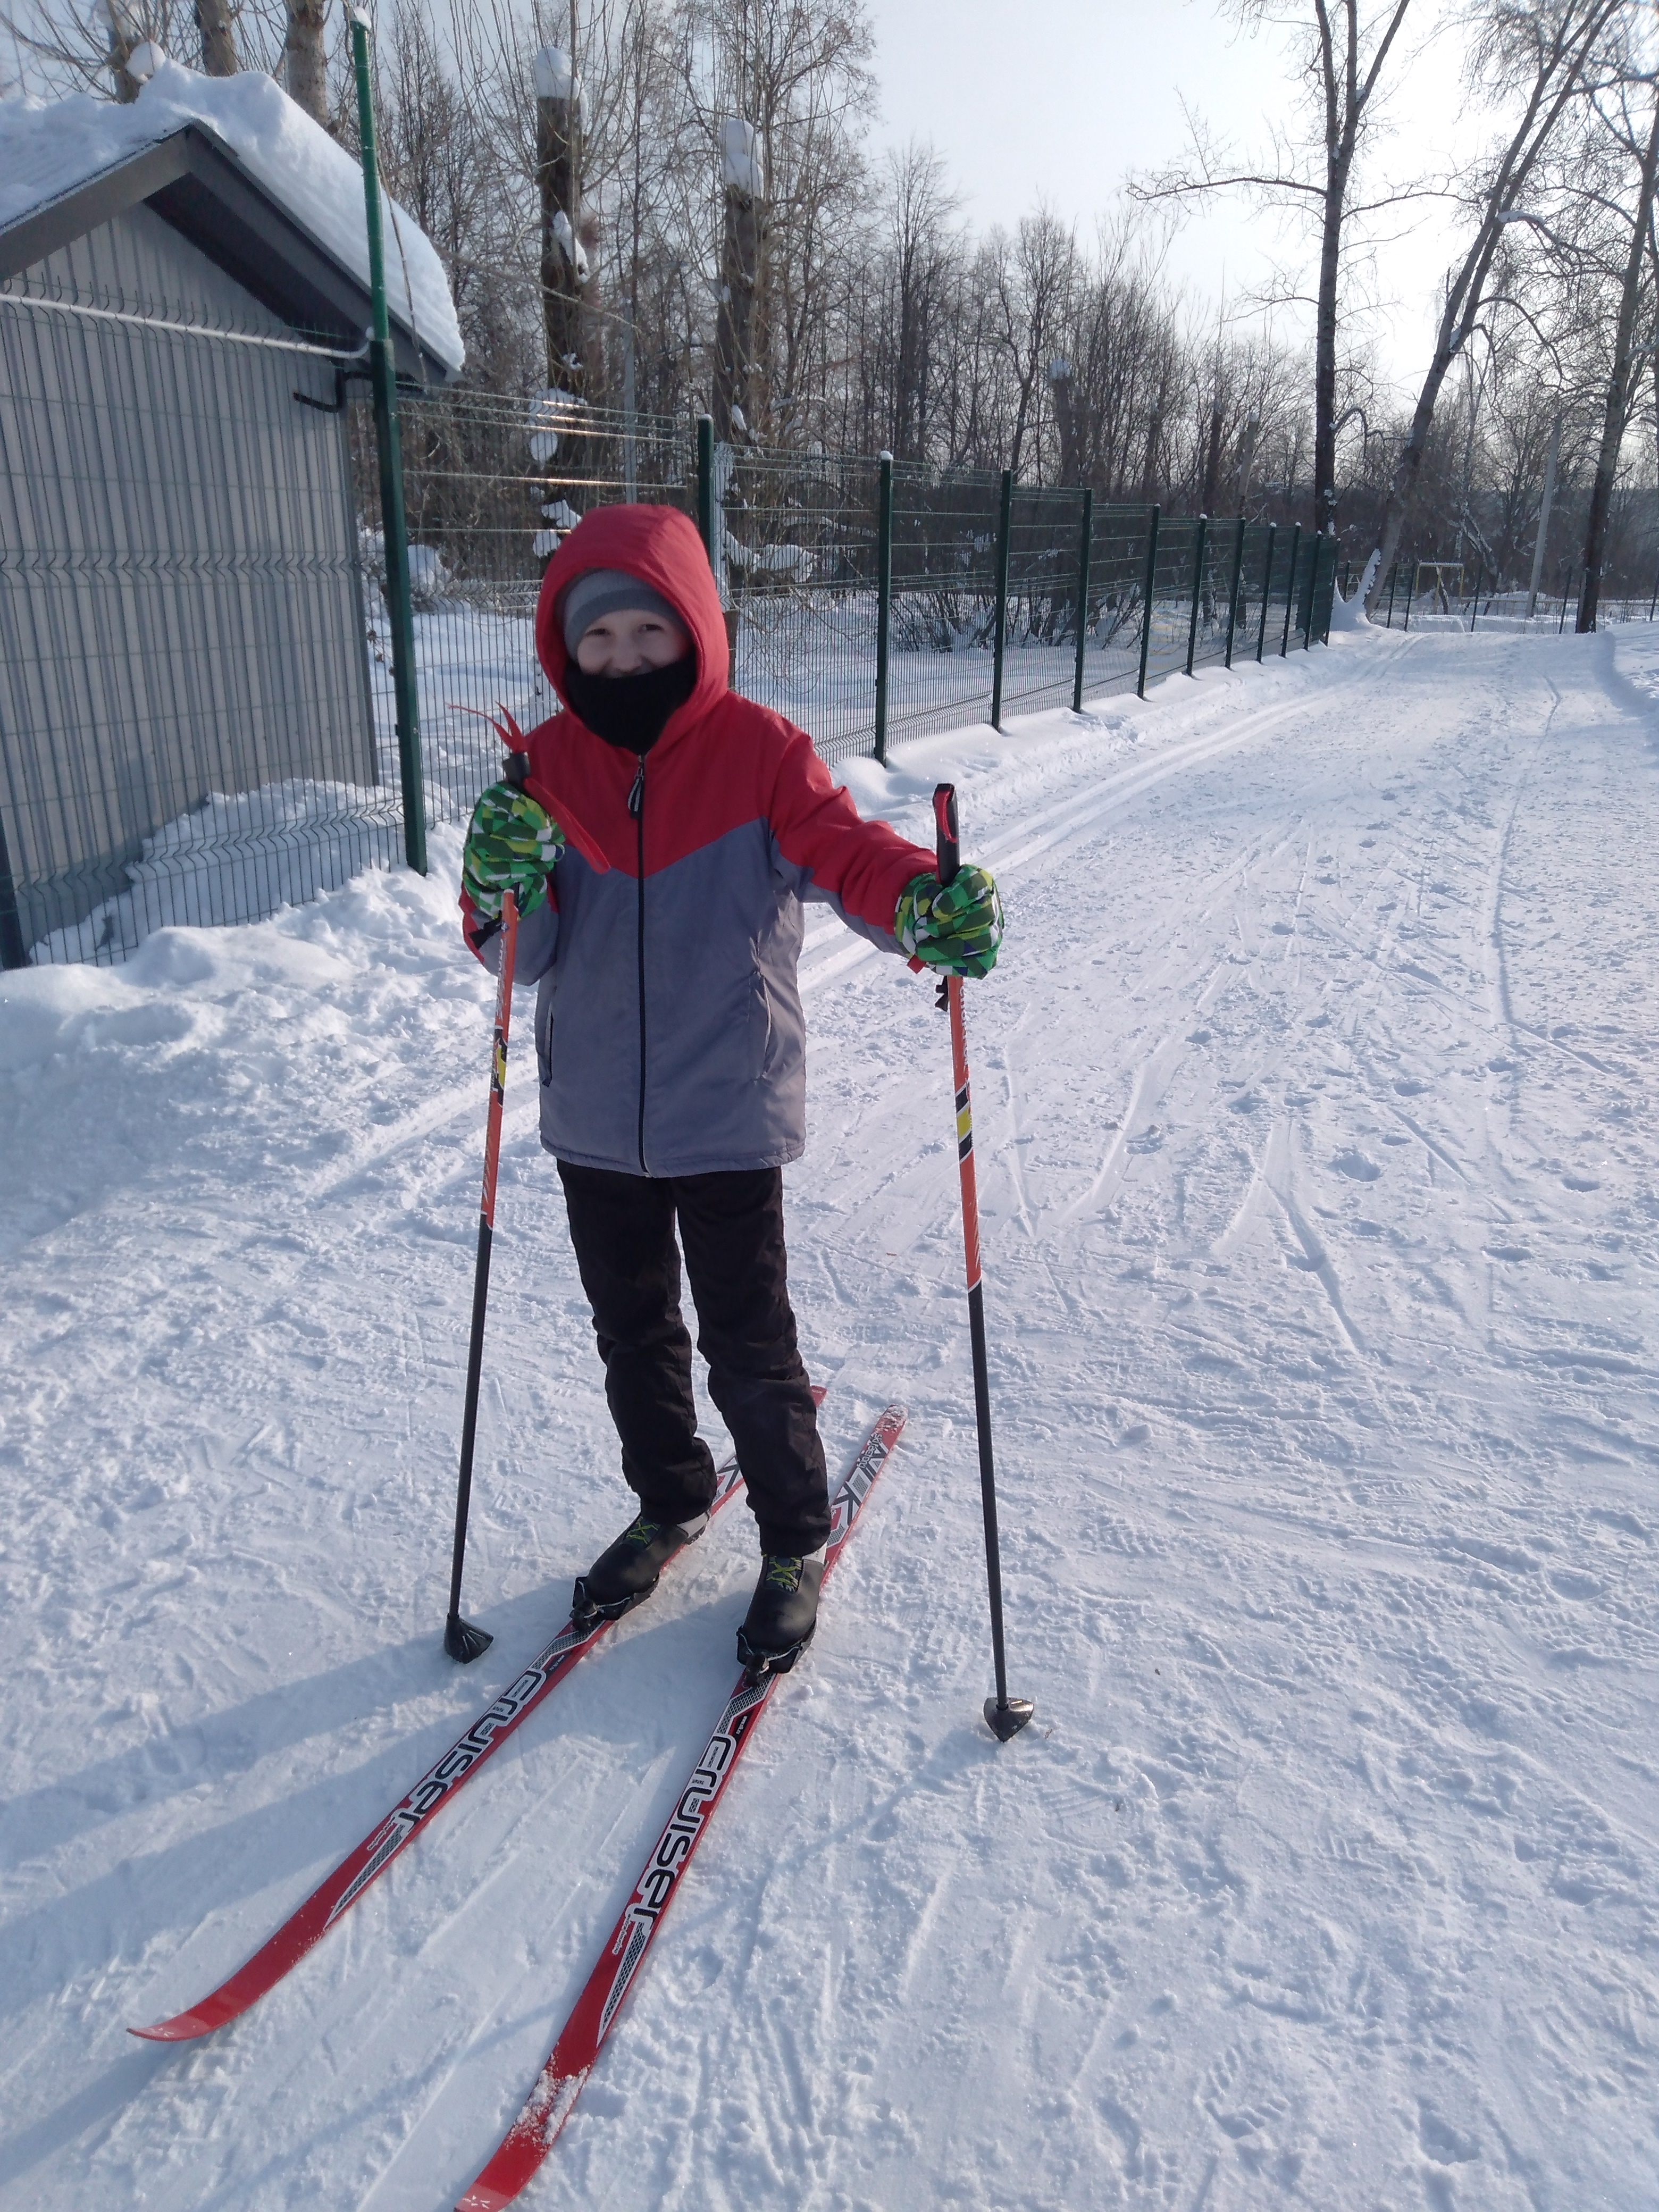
(1005, 1716)
(464, 1639)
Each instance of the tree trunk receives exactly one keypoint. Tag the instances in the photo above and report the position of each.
(217, 27)
(1551, 455)
(1212, 487)
(1617, 411)
(1149, 485)
(1330, 258)
(734, 397)
(1060, 376)
(124, 34)
(1246, 459)
(558, 176)
(304, 57)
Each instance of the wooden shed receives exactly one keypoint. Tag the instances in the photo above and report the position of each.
(182, 594)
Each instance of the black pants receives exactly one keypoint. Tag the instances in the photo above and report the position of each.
(731, 1227)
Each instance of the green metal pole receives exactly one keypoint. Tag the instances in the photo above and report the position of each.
(1146, 588)
(383, 373)
(883, 598)
(1198, 589)
(706, 484)
(1394, 579)
(1480, 579)
(1290, 590)
(1266, 590)
(1232, 592)
(1411, 587)
(1004, 530)
(1085, 549)
(1313, 592)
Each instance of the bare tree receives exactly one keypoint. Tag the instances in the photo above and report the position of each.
(1348, 54)
(923, 254)
(1621, 379)
(1539, 50)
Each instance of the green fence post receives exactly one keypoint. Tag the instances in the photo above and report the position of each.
(883, 598)
(1198, 589)
(1313, 592)
(1004, 530)
(706, 485)
(1232, 593)
(1084, 552)
(1394, 579)
(1411, 587)
(1266, 590)
(1147, 602)
(389, 448)
(1290, 590)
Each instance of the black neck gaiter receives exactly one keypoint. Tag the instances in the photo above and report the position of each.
(630, 711)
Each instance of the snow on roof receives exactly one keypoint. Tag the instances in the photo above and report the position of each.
(48, 148)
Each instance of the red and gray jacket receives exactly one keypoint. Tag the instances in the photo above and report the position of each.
(669, 1029)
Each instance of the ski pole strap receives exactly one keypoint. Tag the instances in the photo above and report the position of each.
(945, 821)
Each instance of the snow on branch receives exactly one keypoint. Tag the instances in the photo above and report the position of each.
(741, 159)
(555, 78)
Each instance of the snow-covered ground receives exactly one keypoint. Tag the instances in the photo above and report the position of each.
(1321, 1175)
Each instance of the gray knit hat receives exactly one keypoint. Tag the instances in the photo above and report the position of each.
(604, 591)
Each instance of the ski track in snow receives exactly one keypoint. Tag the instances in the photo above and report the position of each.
(1320, 1176)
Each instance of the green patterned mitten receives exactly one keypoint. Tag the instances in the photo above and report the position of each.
(511, 845)
(957, 929)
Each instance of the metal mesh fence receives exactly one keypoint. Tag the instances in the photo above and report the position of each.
(197, 707)
(184, 730)
(490, 486)
(793, 549)
(1446, 595)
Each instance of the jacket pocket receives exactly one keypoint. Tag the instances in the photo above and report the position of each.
(545, 998)
(760, 1027)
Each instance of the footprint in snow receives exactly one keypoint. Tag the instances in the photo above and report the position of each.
(1354, 1164)
(1283, 929)
(1582, 1182)
(1507, 1252)
(1409, 1089)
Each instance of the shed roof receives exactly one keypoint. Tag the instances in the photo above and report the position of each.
(243, 172)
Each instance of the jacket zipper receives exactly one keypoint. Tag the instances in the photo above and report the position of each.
(636, 808)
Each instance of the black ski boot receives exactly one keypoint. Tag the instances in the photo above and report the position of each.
(625, 1574)
(782, 1613)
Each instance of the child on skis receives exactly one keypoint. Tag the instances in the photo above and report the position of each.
(669, 1033)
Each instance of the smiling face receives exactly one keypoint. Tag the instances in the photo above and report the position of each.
(629, 642)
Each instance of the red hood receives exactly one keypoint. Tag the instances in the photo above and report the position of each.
(661, 547)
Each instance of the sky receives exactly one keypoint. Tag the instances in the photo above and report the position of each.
(1090, 91)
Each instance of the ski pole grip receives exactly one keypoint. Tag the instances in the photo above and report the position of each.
(517, 768)
(944, 820)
